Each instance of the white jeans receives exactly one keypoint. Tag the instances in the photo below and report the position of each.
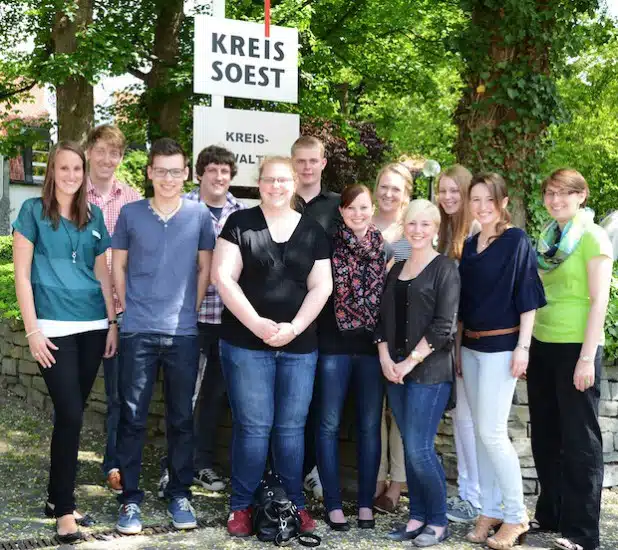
(490, 388)
(465, 446)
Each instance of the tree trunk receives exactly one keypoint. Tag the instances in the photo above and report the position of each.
(74, 96)
(162, 99)
(499, 127)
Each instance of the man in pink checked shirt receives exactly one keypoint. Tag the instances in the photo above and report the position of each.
(104, 149)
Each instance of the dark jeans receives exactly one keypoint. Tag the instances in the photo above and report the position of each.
(310, 460)
(566, 442)
(111, 368)
(69, 382)
(211, 398)
(418, 409)
(335, 374)
(269, 392)
(140, 358)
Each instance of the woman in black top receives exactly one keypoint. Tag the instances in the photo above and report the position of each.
(348, 354)
(272, 270)
(416, 330)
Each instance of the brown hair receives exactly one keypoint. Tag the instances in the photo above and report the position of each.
(166, 147)
(352, 192)
(80, 213)
(568, 179)
(214, 154)
(498, 191)
(110, 134)
(402, 171)
(308, 142)
(455, 227)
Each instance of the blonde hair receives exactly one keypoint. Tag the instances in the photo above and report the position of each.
(308, 142)
(401, 170)
(422, 205)
(277, 159)
(108, 133)
(459, 223)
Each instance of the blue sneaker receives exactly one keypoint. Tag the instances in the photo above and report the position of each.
(182, 513)
(129, 520)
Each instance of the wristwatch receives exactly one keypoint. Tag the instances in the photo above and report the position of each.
(416, 356)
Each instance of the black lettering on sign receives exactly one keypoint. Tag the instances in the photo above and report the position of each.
(279, 50)
(264, 74)
(229, 136)
(250, 75)
(217, 43)
(242, 158)
(278, 73)
(218, 73)
(254, 47)
(236, 45)
(233, 68)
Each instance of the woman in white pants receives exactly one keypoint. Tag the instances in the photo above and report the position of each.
(457, 224)
(500, 293)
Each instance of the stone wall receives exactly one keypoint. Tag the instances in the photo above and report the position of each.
(20, 374)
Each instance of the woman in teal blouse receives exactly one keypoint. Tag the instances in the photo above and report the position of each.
(64, 292)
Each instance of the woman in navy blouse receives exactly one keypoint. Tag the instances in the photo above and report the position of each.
(500, 293)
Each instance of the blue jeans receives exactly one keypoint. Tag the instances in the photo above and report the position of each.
(111, 371)
(269, 393)
(418, 409)
(140, 358)
(334, 375)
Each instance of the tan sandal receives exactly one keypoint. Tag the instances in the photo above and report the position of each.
(509, 535)
(484, 524)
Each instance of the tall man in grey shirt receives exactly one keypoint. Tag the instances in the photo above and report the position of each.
(161, 261)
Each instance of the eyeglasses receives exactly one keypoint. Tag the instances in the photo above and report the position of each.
(266, 179)
(560, 194)
(163, 172)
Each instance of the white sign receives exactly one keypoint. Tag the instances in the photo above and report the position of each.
(235, 59)
(250, 135)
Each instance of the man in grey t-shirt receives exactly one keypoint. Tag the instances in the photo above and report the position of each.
(162, 249)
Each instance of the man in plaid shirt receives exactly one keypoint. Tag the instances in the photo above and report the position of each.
(105, 147)
(215, 168)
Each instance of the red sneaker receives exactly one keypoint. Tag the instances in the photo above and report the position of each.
(307, 523)
(239, 523)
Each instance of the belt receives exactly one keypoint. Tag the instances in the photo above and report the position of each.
(476, 334)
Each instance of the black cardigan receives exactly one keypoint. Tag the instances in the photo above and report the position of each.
(432, 303)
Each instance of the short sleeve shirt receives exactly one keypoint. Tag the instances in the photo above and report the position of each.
(161, 283)
(273, 278)
(66, 292)
(564, 318)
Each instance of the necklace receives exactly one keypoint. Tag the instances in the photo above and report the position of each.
(162, 213)
(73, 248)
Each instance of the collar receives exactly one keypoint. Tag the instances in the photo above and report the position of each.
(115, 189)
(195, 194)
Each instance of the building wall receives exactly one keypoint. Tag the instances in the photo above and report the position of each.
(18, 193)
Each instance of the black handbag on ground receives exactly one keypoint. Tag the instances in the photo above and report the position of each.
(275, 517)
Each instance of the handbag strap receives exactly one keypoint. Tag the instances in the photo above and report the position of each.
(304, 539)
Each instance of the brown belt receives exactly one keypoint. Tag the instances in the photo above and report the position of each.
(476, 334)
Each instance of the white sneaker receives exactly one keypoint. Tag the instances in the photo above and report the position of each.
(209, 479)
(313, 484)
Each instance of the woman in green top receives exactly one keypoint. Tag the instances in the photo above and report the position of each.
(64, 292)
(575, 261)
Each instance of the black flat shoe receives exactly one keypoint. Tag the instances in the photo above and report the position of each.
(86, 520)
(68, 538)
(366, 523)
(336, 525)
(400, 534)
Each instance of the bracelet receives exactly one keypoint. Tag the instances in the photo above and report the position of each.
(112, 321)
(33, 332)
(521, 346)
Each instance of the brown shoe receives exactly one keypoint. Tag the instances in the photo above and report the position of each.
(385, 504)
(509, 535)
(484, 524)
(114, 481)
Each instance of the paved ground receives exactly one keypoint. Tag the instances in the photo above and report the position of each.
(24, 448)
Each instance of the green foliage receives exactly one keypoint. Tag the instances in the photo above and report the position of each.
(6, 249)
(9, 307)
(611, 321)
(132, 170)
